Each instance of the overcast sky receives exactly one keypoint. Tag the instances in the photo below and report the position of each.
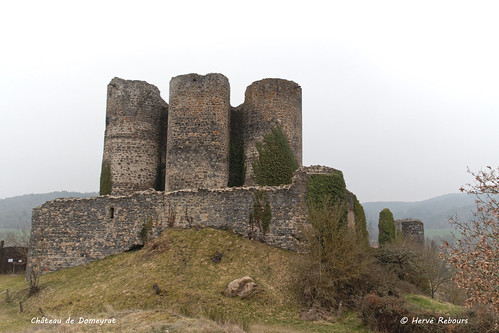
(401, 96)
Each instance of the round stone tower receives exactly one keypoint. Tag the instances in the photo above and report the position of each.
(135, 119)
(269, 103)
(197, 154)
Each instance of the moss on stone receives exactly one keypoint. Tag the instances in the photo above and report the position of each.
(106, 183)
(144, 233)
(360, 223)
(262, 213)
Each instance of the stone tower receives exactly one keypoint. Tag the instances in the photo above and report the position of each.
(135, 121)
(197, 154)
(412, 229)
(269, 103)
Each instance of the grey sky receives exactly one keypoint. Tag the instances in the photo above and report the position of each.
(402, 97)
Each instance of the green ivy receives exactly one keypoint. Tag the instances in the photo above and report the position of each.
(146, 229)
(328, 185)
(106, 183)
(386, 227)
(360, 223)
(262, 214)
(328, 190)
(276, 162)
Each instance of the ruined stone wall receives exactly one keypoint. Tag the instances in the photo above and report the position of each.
(198, 132)
(269, 103)
(230, 209)
(411, 229)
(133, 148)
(71, 232)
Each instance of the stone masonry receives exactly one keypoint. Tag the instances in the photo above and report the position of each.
(269, 103)
(69, 232)
(185, 146)
(411, 229)
(135, 116)
(197, 153)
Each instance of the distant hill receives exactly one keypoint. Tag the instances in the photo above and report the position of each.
(434, 212)
(15, 212)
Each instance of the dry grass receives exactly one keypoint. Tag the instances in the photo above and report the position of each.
(172, 284)
(424, 303)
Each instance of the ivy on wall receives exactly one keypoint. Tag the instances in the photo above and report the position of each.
(328, 191)
(329, 185)
(386, 226)
(106, 183)
(261, 214)
(360, 223)
(276, 162)
(144, 233)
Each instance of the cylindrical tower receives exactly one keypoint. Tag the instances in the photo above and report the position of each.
(132, 142)
(269, 103)
(197, 154)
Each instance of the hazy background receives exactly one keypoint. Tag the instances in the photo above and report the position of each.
(402, 97)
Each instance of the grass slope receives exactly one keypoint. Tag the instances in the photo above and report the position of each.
(172, 284)
(423, 303)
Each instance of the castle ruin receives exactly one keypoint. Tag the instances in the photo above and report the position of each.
(169, 165)
(411, 229)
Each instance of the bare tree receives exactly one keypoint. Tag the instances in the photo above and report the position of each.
(19, 239)
(475, 254)
(335, 261)
(435, 270)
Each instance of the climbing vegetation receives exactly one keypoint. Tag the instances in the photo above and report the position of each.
(386, 227)
(276, 162)
(360, 223)
(326, 191)
(262, 214)
(106, 183)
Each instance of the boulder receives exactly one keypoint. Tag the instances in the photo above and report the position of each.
(242, 287)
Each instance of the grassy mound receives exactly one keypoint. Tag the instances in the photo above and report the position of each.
(174, 283)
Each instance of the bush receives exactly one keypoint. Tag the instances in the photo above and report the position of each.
(383, 314)
(334, 266)
(276, 162)
(405, 260)
(34, 278)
